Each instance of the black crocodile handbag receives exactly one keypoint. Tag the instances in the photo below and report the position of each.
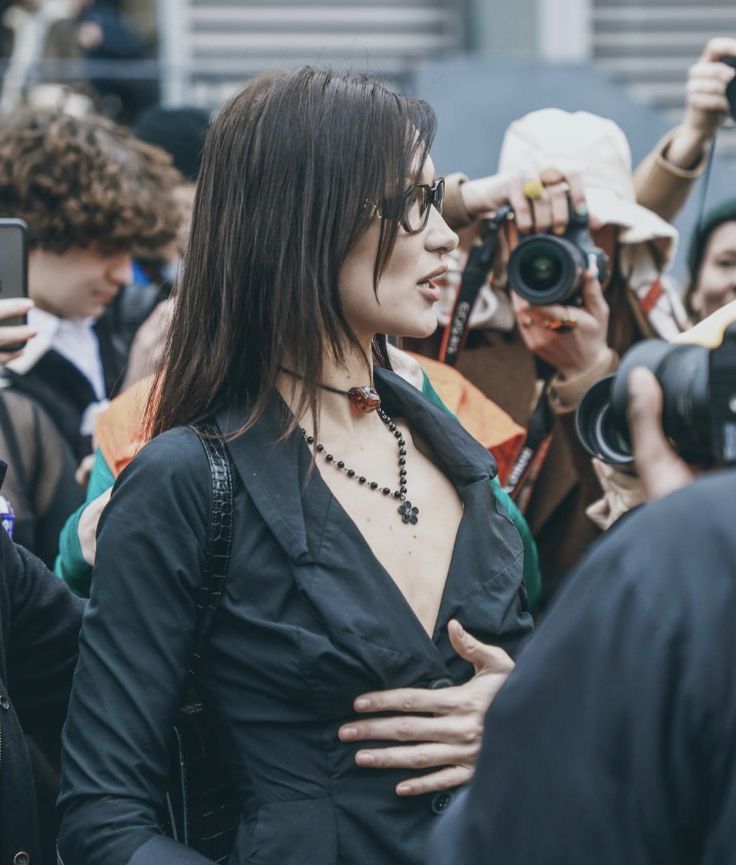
(202, 807)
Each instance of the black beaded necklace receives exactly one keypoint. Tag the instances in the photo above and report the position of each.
(409, 514)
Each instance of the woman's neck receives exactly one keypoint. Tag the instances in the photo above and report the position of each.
(335, 409)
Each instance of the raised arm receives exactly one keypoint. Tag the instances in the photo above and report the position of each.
(665, 177)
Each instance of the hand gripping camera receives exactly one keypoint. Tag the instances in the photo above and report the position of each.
(545, 269)
(699, 414)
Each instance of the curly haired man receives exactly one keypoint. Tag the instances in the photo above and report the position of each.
(92, 196)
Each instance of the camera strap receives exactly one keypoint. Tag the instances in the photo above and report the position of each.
(479, 263)
(528, 464)
(531, 458)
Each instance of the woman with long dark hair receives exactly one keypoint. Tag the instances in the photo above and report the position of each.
(374, 585)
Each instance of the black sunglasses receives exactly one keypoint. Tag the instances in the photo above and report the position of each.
(412, 207)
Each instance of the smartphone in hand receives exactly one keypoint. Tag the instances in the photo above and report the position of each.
(13, 272)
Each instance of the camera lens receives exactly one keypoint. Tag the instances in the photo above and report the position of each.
(545, 269)
(682, 372)
(540, 270)
(683, 375)
(596, 426)
(606, 431)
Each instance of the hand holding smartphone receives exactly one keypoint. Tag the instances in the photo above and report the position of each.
(14, 300)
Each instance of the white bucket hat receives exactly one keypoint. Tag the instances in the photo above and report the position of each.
(597, 149)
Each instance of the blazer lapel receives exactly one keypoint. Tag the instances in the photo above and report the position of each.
(464, 459)
(485, 572)
(273, 472)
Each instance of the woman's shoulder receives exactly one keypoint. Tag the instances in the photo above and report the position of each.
(168, 483)
(175, 456)
(179, 445)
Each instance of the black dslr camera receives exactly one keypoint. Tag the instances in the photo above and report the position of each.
(699, 413)
(546, 269)
(731, 87)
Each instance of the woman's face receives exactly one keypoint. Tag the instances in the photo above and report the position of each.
(404, 303)
(716, 282)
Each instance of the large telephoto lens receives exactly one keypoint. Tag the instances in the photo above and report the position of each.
(545, 269)
(682, 372)
(597, 429)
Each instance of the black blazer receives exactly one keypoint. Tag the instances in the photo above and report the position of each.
(39, 624)
(309, 620)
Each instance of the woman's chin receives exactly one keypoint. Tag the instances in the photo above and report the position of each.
(419, 327)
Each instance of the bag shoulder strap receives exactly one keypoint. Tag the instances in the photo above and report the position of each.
(219, 536)
(11, 442)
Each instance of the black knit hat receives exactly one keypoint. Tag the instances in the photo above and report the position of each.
(716, 216)
(178, 131)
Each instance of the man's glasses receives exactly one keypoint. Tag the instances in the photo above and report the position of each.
(412, 207)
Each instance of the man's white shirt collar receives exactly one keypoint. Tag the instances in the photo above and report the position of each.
(75, 340)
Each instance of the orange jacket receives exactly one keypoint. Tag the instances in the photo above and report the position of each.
(118, 429)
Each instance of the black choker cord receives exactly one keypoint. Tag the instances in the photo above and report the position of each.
(363, 398)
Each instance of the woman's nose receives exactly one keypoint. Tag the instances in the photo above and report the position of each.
(440, 237)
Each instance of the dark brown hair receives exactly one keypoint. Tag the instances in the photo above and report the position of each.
(291, 168)
(85, 183)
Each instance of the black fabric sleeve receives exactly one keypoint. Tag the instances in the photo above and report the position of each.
(40, 627)
(135, 649)
(612, 740)
(42, 645)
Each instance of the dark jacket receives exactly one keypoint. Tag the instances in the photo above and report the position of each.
(309, 620)
(39, 623)
(65, 393)
(40, 484)
(632, 676)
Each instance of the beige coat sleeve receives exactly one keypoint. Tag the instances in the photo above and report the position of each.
(662, 186)
(455, 213)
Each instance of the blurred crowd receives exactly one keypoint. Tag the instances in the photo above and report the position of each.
(108, 208)
(79, 55)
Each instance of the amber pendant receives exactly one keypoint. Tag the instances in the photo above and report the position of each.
(364, 399)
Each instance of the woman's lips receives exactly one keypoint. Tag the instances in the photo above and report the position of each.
(429, 290)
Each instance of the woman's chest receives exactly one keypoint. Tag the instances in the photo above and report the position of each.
(414, 557)
(307, 634)
(409, 538)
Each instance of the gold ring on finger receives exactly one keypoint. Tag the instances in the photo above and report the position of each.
(533, 189)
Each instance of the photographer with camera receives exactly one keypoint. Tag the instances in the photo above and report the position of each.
(696, 373)
(634, 672)
(664, 179)
(566, 323)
